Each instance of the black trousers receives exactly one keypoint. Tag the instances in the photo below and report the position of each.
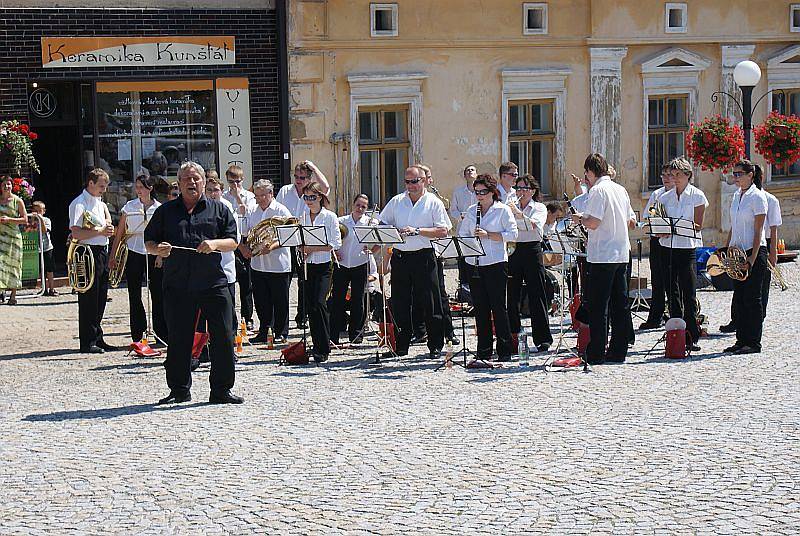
(92, 303)
(747, 302)
(658, 269)
(271, 294)
(415, 277)
(488, 287)
(767, 281)
(416, 308)
(356, 279)
(243, 277)
(135, 275)
(682, 283)
(527, 265)
(607, 291)
(318, 285)
(181, 311)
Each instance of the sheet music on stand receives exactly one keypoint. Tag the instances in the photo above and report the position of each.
(302, 235)
(456, 247)
(671, 226)
(378, 235)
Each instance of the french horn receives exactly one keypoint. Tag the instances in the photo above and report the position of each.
(263, 235)
(732, 262)
(80, 259)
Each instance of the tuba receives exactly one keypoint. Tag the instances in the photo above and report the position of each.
(80, 259)
(263, 235)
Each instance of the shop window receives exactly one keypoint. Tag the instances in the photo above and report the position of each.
(794, 18)
(383, 19)
(383, 145)
(535, 19)
(667, 126)
(531, 135)
(675, 18)
(786, 102)
(156, 126)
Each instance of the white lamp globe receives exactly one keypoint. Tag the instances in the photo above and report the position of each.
(747, 74)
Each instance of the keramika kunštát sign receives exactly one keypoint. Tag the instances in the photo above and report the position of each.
(60, 52)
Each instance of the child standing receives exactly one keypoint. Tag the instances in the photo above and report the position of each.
(39, 208)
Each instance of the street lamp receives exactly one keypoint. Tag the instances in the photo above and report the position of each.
(746, 74)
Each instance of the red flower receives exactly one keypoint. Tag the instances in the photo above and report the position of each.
(33, 136)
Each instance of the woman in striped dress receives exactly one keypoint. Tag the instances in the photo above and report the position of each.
(12, 215)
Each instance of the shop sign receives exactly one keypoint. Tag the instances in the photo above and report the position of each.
(64, 52)
(233, 125)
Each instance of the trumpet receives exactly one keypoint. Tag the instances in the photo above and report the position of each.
(80, 259)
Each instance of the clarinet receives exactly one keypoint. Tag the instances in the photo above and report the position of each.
(584, 232)
(477, 224)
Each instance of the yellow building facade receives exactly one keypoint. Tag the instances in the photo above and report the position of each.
(377, 86)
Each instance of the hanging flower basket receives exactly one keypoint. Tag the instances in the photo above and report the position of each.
(22, 189)
(778, 139)
(16, 139)
(714, 143)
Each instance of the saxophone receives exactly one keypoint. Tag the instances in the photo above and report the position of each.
(443, 199)
(80, 259)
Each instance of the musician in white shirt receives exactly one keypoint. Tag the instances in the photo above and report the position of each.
(271, 268)
(749, 209)
(687, 202)
(318, 267)
(607, 217)
(493, 223)
(92, 303)
(291, 197)
(464, 195)
(351, 272)
(774, 220)
(135, 216)
(242, 202)
(658, 281)
(508, 175)
(526, 264)
(419, 216)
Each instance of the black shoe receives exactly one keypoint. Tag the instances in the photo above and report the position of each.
(614, 359)
(175, 398)
(93, 350)
(504, 358)
(249, 325)
(650, 325)
(595, 360)
(258, 339)
(107, 347)
(454, 340)
(225, 398)
(747, 350)
(301, 324)
(390, 355)
(282, 340)
(419, 339)
(693, 348)
(543, 347)
(319, 358)
(733, 349)
(435, 354)
(728, 328)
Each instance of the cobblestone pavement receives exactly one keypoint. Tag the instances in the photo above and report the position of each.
(705, 445)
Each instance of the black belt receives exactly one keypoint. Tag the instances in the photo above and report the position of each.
(523, 245)
(416, 252)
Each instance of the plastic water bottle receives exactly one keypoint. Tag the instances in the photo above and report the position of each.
(448, 356)
(522, 349)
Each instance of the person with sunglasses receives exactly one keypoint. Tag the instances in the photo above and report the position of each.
(508, 177)
(748, 211)
(607, 217)
(526, 264)
(243, 202)
(291, 197)
(488, 284)
(319, 267)
(419, 216)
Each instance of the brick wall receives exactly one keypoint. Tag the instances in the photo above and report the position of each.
(256, 58)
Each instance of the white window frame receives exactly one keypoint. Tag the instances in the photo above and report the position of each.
(792, 9)
(683, 8)
(383, 33)
(539, 84)
(527, 6)
(781, 75)
(659, 81)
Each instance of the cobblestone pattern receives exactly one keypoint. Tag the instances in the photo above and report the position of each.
(708, 445)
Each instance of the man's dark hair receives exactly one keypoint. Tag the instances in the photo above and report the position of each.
(596, 163)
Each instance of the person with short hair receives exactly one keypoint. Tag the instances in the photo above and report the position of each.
(271, 269)
(199, 228)
(12, 215)
(136, 214)
(39, 209)
(92, 303)
(243, 202)
(463, 198)
(493, 223)
(607, 218)
(508, 177)
(319, 267)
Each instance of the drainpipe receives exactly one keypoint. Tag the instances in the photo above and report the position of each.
(283, 89)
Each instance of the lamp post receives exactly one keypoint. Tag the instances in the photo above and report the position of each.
(746, 74)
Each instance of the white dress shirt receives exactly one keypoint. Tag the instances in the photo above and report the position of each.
(135, 223)
(506, 195)
(683, 208)
(289, 198)
(228, 261)
(774, 218)
(331, 223)
(428, 211)
(608, 202)
(278, 261)
(531, 228)
(352, 251)
(87, 202)
(579, 202)
(498, 219)
(373, 284)
(745, 206)
(463, 198)
(654, 195)
(248, 199)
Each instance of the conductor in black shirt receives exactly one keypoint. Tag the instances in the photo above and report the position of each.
(189, 233)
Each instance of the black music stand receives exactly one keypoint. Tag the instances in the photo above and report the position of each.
(461, 248)
(379, 235)
(302, 235)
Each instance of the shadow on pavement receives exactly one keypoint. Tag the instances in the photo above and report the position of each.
(128, 366)
(43, 353)
(105, 413)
